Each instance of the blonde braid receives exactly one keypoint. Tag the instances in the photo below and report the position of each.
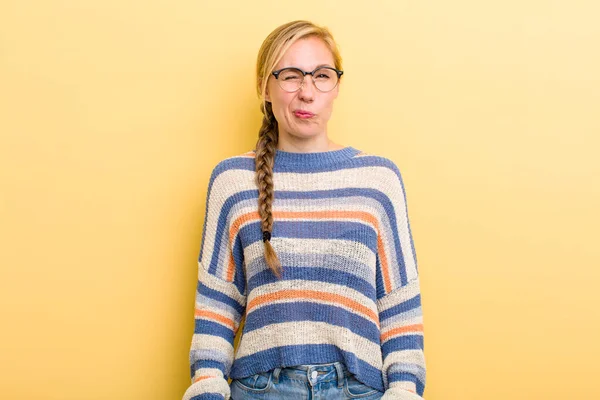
(266, 146)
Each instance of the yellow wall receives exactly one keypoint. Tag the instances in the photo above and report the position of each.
(112, 114)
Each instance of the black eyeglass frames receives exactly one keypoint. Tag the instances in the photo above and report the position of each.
(291, 79)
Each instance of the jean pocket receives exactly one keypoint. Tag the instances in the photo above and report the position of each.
(354, 388)
(260, 382)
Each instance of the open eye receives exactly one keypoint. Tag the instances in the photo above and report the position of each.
(324, 74)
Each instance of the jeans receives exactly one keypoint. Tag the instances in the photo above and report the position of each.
(303, 382)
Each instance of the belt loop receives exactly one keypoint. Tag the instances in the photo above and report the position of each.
(340, 374)
(276, 374)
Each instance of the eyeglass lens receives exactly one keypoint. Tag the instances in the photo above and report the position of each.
(291, 80)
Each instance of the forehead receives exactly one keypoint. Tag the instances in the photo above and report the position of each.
(307, 54)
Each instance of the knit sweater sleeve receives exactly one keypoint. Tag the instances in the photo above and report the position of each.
(399, 299)
(220, 298)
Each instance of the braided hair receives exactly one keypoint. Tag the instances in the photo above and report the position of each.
(270, 53)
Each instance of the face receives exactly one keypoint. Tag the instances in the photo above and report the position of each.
(303, 114)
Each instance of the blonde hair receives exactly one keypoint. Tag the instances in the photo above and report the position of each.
(270, 53)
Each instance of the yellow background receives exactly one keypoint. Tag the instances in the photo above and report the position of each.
(112, 114)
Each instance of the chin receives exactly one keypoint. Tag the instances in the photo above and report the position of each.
(305, 133)
(304, 136)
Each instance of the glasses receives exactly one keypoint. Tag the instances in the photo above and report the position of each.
(291, 79)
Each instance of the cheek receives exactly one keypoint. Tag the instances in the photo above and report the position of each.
(279, 112)
(328, 105)
(280, 107)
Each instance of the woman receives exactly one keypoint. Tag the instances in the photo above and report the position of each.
(323, 268)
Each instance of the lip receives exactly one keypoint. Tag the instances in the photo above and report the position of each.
(303, 114)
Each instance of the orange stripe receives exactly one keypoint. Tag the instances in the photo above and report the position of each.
(361, 215)
(325, 214)
(233, 231)
(385, 269)
(230, 267)
(402, 329)
(316, 295)
(216, 317)
(202, 377)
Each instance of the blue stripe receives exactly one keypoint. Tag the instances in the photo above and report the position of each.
(256, 236)
(313, 229)
(222, 229)
(206, 327)
(208, 396)
(414, 302)
(239, 276)
(220, 296)
(316, 274)
(404, 377)
(379, 284)
(309, 311)
(247, 164)
(396, 170)
(206, 364)
(306, 354)
(404, 342)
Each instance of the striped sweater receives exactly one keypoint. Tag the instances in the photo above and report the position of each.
(350, 286)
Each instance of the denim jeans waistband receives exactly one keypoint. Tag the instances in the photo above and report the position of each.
(314, 373)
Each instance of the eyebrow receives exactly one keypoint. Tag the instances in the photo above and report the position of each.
(318, 66)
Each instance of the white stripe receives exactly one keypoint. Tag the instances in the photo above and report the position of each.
(210, 385)
(302, 285)
(355, 251)
(400, 295)
(204, 341)
(379, 178)
(359, 204)
(220, 285)
(216, 306)
(203, 354)
(414, 369)
(400, 392)
(309, 333)
(387, 329)
(414, 316)
(403, 356)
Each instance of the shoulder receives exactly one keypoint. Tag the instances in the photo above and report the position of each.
(239, 163)
(377, 164)
(243, 161)
(229, 174)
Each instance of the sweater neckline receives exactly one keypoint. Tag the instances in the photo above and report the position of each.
(314, 159)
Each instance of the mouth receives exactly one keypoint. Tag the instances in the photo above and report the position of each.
(302, 114)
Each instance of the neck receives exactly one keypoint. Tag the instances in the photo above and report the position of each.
(318, 143)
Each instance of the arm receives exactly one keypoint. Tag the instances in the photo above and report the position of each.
(399, 301)
(220, 300)
(402, 343)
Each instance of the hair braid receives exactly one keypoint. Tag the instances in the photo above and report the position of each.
(269, 54)
(266, 146)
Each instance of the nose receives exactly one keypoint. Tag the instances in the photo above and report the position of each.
(307, 89)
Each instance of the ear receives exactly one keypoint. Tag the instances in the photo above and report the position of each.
(267, 95)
